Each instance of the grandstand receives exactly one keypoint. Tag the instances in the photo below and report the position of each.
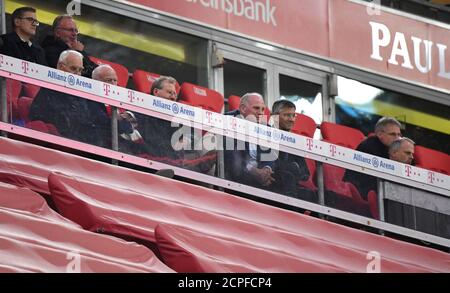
(67, 205)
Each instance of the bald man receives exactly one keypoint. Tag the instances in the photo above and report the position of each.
(246, 166)
(74, 117)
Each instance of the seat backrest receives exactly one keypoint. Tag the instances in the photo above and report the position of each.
(23, 107)
(432, 160)
(13, 89)
(122, 71)
(233, 102)
(341, 135)
(143, 81)
(304, 125)
(30, 90)
(202, 97)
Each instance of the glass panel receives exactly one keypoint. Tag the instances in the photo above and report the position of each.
(132, 43)
(360, 106)
(240, 79)
(169, 142)
(306, 96)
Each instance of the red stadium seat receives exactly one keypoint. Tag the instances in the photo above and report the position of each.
(122, 71)
(233, 103)
(31, 243)
(143, 81)
(23, 199)
(42, 127)
(341, 135)
(30, 90)
(304, 125)
(432, 160)
(225, 238)
(23, 107)
(30, 165)
(348, 197)
(13, 89)
(202, 97)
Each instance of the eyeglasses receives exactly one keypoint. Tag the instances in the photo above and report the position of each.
(33, 21)
(72, 30)
(74, 69)
(396, 134)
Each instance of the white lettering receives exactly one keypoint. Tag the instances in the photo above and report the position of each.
(378, 41)
(255, 10)
(400, 49)
(442, 73)
(428, 60)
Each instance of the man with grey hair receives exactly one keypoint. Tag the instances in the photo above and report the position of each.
(387, 130)
(246, 165)
(74, 117)
(402, 150)
(65, 37)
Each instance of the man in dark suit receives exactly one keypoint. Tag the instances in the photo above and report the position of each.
(289, 169)
(246, 165)
(74, 117)
(65, 37)
(18, 43)
(387, 130)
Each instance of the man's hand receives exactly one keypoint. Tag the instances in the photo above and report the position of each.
(76, 45)
(263, 176)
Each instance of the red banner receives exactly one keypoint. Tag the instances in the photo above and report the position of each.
(340, 30)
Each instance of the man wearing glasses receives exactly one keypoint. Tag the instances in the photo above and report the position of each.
(18, 43)
(65, 37)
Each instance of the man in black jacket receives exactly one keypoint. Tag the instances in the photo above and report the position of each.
(18, 43)
(289, 169)
(65, 37)
(74, 117)
(387, 130)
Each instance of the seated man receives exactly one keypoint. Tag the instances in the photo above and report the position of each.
(74, 117)
(18, 43)
(161, 137)
(290, 167)
(65, 37)
(402, 150)
(247, 166)
(387, 130)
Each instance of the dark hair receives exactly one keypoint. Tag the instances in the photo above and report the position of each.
(19, 12)
(58, 20)
(281, 104)
(158, 83)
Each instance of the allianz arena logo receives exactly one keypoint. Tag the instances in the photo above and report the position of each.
(71, 80)
(375, 162)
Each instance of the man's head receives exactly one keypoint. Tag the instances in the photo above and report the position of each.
(65, 29)
(252, 106)
(387, 130)
(283, 113)
(164, 87)
(105, 73)
(24, 22)
(402, 150)
(70, 61)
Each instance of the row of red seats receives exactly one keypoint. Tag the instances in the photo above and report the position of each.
(189, 93)
(193, 229)
(34, 238)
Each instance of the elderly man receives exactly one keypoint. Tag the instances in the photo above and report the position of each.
(18, 43)
(387, 130)
(74, 117)
(65, 37)
(402, 150)
(247, 166)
